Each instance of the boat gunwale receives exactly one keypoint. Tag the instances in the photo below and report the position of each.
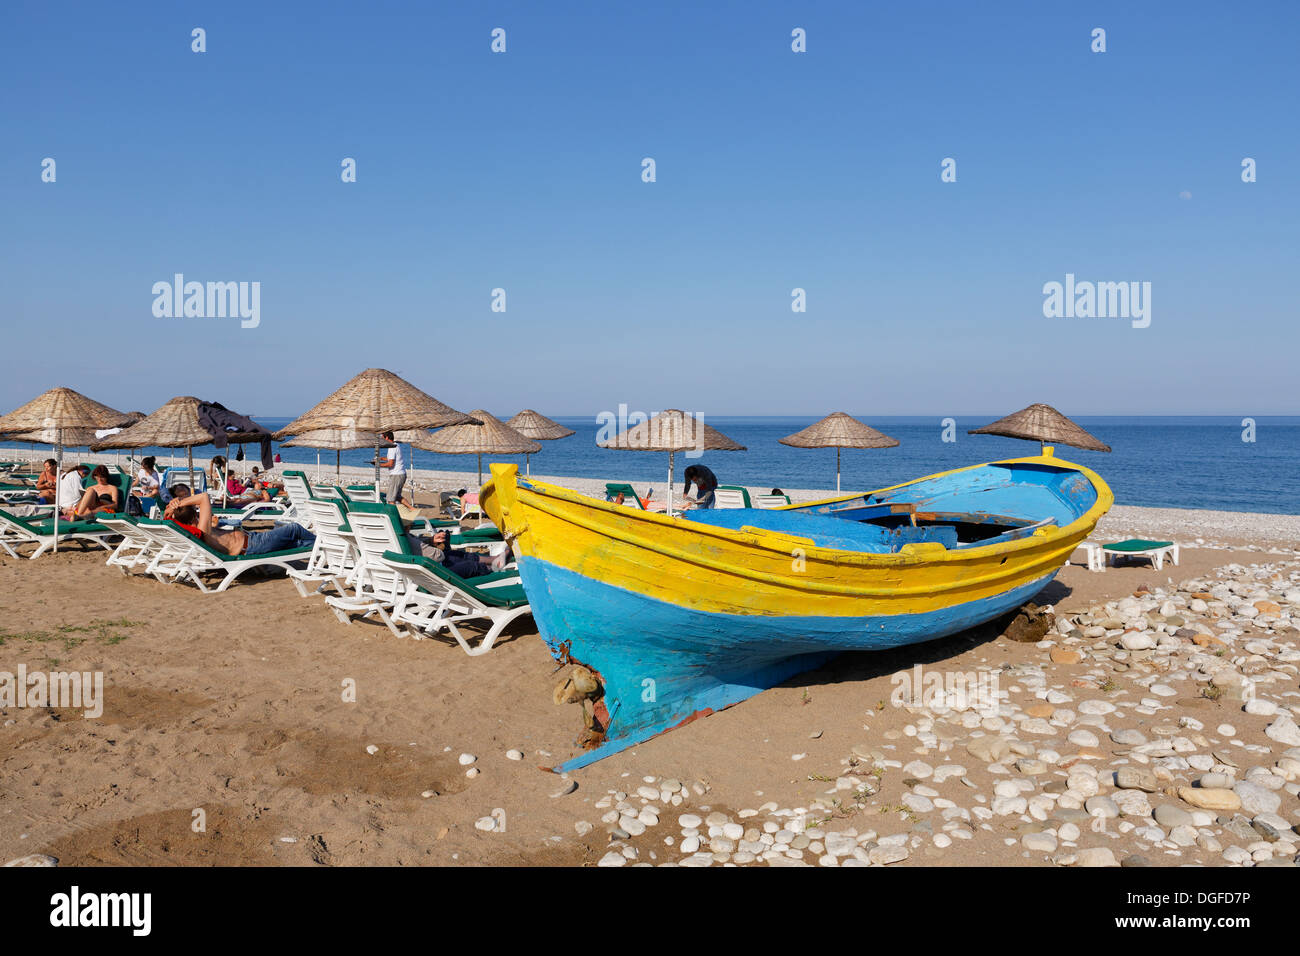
(1042, 550)
(901, 558)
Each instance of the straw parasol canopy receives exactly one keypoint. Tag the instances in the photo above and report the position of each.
(839, 430)
(340, 440)
(61, 409)
(1043, 424)
(490, 437)
(71, 438)
(538, 427)
(672, 430)
(174, 425)
(375, 401)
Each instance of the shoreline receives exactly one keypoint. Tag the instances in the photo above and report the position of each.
(1248, 530)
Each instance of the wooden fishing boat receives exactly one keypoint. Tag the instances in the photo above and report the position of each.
(682, 616)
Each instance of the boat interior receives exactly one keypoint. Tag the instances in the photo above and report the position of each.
(981, 506)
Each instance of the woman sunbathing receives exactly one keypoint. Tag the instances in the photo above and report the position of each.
(47, 481)
(147, 481)
(103, 497)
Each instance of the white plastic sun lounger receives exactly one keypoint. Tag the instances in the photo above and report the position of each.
(1156, 551)
(372, 530)
(333, 558)
(135, 550)
(435, 600)
(16, 532)
(186, 557)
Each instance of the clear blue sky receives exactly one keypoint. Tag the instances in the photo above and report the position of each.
(775, 170)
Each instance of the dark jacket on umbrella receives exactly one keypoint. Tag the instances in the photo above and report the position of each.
(217, 419)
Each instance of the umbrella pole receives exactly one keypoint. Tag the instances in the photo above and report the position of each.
(480, 469)
(189, 466)
(528, 464)
(338, 465)
(837, 469)
(59, 472)
(377, 498)
(669, 510)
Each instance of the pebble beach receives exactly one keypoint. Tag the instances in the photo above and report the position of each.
(1143, 718)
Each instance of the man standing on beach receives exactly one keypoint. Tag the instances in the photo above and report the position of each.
(396, 465)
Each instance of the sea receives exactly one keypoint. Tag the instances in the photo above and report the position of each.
(1222, 463)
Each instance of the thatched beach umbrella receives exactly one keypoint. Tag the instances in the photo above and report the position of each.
(375, 401)
(175, 425)
(490, 437)
(539, 428)
(71, 438)
(61, 409)
(839, 430)
(1043, 424)
(672, 431)
(338, 440)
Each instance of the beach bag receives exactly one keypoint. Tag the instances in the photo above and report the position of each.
(133, 507)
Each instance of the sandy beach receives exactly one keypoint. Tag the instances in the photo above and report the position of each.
(231, 734)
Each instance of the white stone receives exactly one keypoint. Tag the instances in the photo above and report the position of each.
(1039, 842)
(884, 855)
(1083, 738)
(1284, 731)
(1096, 856)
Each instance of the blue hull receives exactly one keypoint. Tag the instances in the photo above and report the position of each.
(681, 664)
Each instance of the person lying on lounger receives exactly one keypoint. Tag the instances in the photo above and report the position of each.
(193, 513)
(461, 563)
(103, 497)
(241, 494)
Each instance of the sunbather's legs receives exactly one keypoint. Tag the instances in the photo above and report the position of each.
(284, 537)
